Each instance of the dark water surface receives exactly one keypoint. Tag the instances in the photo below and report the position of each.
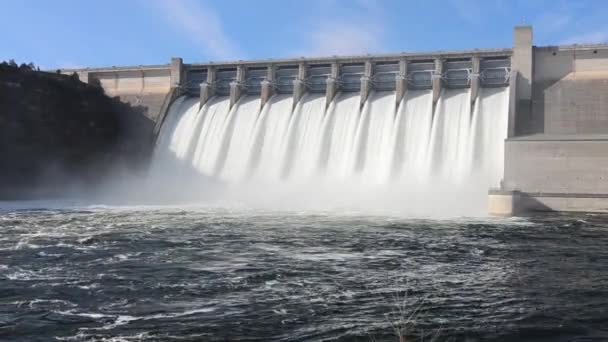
(131, 274)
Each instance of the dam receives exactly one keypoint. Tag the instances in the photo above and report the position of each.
(513, 130)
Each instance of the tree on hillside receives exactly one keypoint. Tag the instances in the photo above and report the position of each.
(23, 66)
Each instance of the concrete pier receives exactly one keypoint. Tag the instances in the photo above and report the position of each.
(401, 81)
(299, 84)
(474, 79)
(332, 89)
(177, 71)
(366, 82)
(267, 85)
(512, 104)
(208, 87)
(504, 203)
(436, 80)
(237, 86)
(332, 83)
(522, 63)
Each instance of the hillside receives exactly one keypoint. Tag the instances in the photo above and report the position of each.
(58, 133)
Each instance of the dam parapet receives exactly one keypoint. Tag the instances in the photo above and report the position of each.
(149, 85)
(557, 123)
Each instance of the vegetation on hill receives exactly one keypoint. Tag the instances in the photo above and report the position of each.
(56, 131)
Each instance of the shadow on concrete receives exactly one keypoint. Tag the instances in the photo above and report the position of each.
(547, 61)
(529, 204)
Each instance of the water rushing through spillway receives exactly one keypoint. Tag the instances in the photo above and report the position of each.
(343, 153)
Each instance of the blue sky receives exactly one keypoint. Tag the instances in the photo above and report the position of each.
(77, 33)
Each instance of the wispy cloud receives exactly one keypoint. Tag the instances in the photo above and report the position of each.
(201, 23)
(475, 12)
(594, 37)
(551, 22)
(575, 22)
(467, 10)
(358, 31)
(343, 38)
(560, 16)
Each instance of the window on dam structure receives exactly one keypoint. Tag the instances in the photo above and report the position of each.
(254, 79)
(350, 76)
(285, 75)
(384, 76)
(223, 79)
(420, 74)
(317, 79)
(457, 73)
(194, 78)
(495, 71)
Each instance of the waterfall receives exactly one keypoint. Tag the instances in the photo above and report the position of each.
(339, 137)
(238, 138)
(271, 138)
(374, 138)
(302, 157)
(412, 137)
(215, 121)
(450, 148)
(490, 125)
(403, 152)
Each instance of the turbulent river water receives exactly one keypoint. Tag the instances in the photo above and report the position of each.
(91, 273)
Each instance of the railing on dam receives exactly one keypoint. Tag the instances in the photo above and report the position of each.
(494, 72)
(458, 71)
(223, 79)
(316, 82)
(420, 74)
(384, 76)
(284, 78)
(350, 77)
(194, 79)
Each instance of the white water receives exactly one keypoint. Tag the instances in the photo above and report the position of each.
(215, 121)
(302, 157)
(450, 150)
(177, 135)
(490, 122)
(412, 137)
(340, 130)
(270, 144)
(374, 138)
(238, 139)
(380, 154)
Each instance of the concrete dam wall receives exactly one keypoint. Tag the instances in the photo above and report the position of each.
(140, 86)
(554, 148)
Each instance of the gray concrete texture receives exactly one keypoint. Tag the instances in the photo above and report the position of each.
(146, 88)
(557, 166)
(569, 92)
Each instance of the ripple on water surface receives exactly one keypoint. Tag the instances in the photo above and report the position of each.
(153, 273)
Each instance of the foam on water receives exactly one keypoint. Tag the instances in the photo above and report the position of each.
(227, 274)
